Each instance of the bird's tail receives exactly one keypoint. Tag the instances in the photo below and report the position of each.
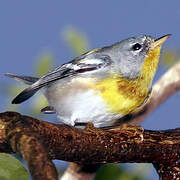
(28, 92)
(25, 79)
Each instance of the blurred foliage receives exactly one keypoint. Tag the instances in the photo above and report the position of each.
(78, 42)
(38, 103)
(116, 172)
(11, 168)
(169, 58)
(12, 90)
(44, 64)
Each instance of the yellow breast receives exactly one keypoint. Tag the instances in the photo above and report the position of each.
(125, 95)
(121, 95)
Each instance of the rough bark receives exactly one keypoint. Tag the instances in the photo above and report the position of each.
(30, 137)
(17, 136)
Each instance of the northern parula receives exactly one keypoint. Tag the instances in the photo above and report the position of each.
(101, 85)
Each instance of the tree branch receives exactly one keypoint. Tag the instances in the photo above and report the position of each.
(38, 141)
(17, 136)
(89, 146)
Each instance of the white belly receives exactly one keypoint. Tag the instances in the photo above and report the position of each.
(75, 104)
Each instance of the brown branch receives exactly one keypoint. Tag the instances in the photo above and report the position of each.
(17, 137)
(38, 141)
(92, 145)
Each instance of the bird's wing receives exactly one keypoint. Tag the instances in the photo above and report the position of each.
(78, 66)
(75, 67)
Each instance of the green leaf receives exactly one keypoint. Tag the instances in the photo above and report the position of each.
(11, 168)
(76, 40)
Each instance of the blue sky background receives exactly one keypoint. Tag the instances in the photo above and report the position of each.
(30, 28)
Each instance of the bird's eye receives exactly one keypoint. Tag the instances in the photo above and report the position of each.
(136, 47)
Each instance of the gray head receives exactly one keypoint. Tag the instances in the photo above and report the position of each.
(128, 55)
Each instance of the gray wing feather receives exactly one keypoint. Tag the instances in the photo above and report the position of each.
(26, 79)
(75, 67)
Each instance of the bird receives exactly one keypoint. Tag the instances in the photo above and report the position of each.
(100, 86)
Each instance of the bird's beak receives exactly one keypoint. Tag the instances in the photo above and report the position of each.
(160, 41)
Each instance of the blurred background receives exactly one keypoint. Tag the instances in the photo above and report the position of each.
(36, 36)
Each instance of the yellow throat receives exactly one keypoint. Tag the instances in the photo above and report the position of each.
(125, 95)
